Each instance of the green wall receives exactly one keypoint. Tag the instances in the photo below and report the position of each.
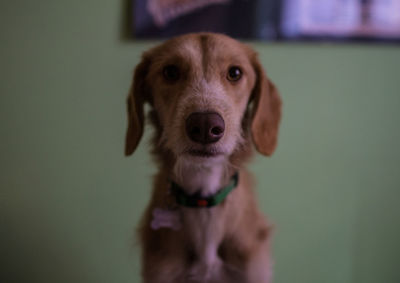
(69, 199)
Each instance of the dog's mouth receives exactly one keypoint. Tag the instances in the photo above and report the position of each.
(205, 153)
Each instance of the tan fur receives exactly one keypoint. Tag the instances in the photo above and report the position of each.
(229, 242)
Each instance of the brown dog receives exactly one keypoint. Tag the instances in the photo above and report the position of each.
(209, 99)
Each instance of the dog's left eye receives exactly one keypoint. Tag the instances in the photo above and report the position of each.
(234, 74)
(171, 73)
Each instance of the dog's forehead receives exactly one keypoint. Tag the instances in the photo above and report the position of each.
(204, 47)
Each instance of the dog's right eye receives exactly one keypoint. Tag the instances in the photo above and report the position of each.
(234, 74)
(171, 73)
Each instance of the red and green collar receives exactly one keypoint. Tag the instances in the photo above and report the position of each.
(196, 201)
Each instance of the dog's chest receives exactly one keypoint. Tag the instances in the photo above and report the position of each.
(204, 230)
(204, 226)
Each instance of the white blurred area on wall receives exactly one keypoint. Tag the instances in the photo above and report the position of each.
(341, 18)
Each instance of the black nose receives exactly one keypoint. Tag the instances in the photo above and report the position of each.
(205, 128)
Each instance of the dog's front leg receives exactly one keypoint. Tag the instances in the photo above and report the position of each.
(165, 268)
(260, 266)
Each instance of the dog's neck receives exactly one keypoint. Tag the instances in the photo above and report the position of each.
(205, 178)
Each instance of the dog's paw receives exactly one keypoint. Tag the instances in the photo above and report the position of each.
(163, 218)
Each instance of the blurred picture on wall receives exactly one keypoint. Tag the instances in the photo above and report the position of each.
(270, 19)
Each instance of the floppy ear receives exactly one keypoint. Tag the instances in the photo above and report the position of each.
(266, 112)
(135, 105)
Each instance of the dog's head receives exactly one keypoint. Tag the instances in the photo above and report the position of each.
(201, 88)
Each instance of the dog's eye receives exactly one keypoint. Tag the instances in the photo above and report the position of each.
(171, 73)
(234, 74)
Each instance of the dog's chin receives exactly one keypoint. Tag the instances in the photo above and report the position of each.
(203, 155)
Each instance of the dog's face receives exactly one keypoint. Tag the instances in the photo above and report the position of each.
(200, 87)
(200, 91)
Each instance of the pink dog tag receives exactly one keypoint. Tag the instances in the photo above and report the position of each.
(164, 218)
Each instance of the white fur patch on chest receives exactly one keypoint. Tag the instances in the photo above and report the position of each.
(203, 225)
